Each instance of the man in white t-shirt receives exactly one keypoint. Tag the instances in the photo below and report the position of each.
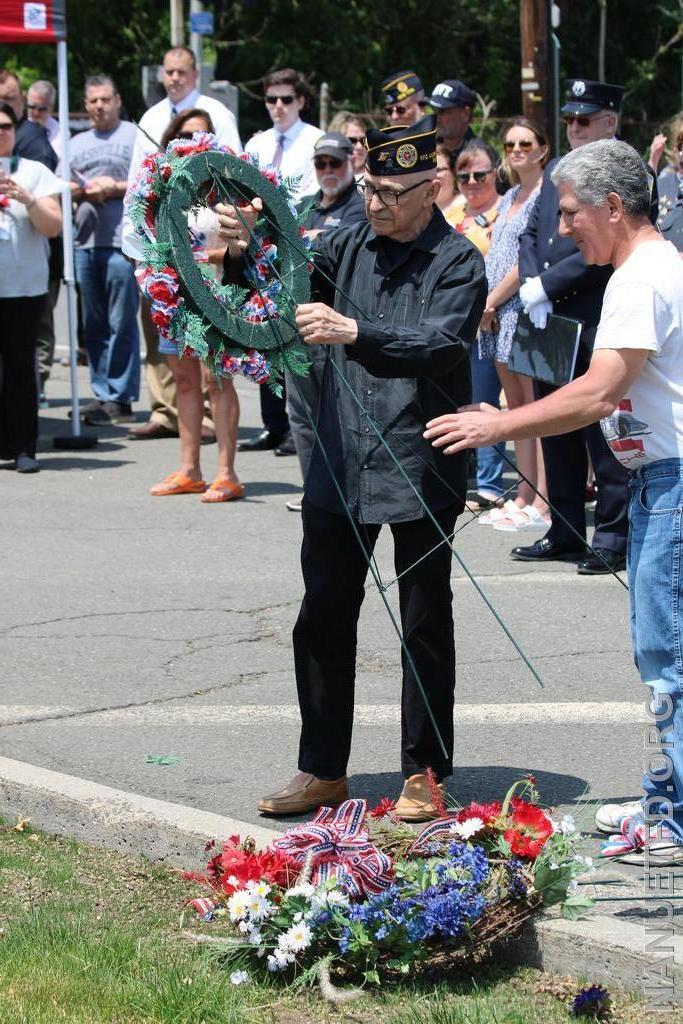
(180, 77)
(288, 145)
(634, 385)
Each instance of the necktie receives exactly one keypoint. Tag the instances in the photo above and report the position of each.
(279, 150)
(174, 112)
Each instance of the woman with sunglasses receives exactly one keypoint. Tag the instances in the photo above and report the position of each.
(191, 378)
(526, 154)
(473, 214)
(353, 127)
(30, 213)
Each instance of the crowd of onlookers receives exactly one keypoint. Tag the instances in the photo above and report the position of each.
(492, 192)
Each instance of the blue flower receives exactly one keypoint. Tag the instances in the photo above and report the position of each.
(592, 1002)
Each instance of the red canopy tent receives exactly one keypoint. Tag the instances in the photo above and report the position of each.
(44, 21)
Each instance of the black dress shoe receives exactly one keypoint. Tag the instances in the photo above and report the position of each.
(602, 562)
(545, 550)
(263, 442)
(286, 446)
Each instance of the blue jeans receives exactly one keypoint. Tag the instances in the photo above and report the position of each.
(109, 299)
(655, 546)
(486, 388)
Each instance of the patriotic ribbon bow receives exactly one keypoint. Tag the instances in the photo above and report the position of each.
(439, 831)
(635, 835)
(338, 848)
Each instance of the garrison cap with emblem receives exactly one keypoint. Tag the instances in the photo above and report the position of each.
(586, 97)
(400, 149)
(399, 85)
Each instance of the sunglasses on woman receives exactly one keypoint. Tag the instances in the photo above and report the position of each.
(465, 177)
(272, 100)
(523, 144)
(356, 140)
(186, 136)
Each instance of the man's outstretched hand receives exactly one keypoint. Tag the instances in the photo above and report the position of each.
(472, 426)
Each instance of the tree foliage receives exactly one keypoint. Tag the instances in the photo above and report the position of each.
(353, 44)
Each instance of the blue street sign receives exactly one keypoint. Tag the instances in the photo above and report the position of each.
(201, 23)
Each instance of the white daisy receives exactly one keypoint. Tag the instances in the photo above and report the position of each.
(238, 905)
(469, 827)
(239, 977)
(297, 938)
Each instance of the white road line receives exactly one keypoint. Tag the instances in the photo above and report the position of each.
(562, 713)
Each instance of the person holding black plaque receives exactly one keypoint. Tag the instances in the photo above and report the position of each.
(557, 279)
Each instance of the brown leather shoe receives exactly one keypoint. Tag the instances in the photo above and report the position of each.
(416, 802)
(305, 793)
(150, 431)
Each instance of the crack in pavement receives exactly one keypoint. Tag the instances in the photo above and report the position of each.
(132, 705)
(8, 630)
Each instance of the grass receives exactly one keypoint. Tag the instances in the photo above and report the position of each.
(92, 937)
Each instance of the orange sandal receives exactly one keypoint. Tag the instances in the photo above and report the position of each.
(223, 490)
(178, 483)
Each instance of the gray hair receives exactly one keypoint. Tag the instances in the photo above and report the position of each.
(97, 81)
(45, 88)
(598, 168)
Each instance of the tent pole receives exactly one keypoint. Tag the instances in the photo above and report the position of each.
(76, 439)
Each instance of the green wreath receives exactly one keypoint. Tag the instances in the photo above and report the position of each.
(225, 325)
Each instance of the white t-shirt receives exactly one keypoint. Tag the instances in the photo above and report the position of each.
(297, 154)
(643, 309)
(156, 120)
(24, 252)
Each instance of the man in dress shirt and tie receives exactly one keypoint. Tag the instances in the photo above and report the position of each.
(288, 145)
(180, 77)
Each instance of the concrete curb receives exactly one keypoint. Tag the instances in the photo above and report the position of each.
(639, 958)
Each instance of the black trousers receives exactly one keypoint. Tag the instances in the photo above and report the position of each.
(19, 321)
(566, 470)
(274, 411)
(334, 569)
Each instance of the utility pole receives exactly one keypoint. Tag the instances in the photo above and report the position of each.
(537, 77)
(177, 26)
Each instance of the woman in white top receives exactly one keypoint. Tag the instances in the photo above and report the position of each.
(29, 215)
(192, 378)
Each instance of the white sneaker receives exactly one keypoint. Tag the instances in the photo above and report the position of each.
(609, 817)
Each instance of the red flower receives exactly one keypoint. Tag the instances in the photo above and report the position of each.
(165, 171)
(243, 866)
(385, 806)
(485, 812)
(531, 829)
(162, 291)
(161, 319)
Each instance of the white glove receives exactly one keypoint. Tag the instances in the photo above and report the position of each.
(539, 313)
(531, 293)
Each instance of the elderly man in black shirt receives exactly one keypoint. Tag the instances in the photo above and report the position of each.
(401, 298)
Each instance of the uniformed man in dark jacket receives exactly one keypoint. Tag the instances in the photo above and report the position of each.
(401, 298)
(556, 279)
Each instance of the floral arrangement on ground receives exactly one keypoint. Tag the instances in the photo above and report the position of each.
(360, 896)
(175, 312)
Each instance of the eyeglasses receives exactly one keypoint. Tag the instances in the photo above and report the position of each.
(386, 196)
(356, 140)
(272, 100)
(41, 108)
(582, 119)
(322, 162)
(6, 126)
(187, 135)
(524, 144)
(465, 177)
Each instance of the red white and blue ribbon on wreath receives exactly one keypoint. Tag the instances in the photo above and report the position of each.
(336, 847)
